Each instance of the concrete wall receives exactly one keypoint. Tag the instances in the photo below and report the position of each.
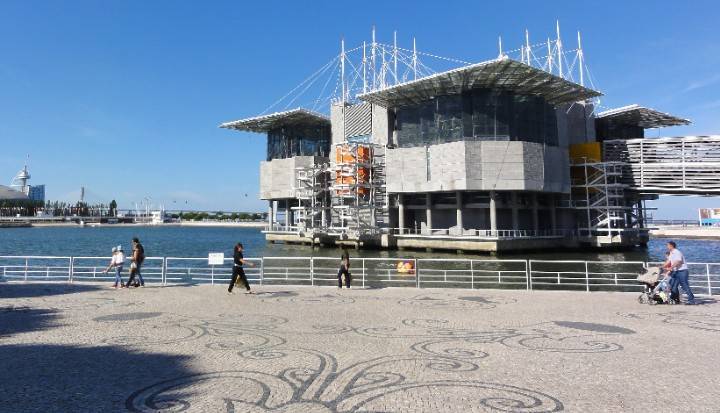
(381, 127)
(337, 128)
(277, 177)
(483, 166)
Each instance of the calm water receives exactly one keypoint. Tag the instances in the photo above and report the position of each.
(198, 241)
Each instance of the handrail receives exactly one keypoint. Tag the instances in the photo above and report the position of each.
(530, 274)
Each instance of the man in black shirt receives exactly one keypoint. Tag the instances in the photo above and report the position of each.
(344, 269)
(238, 272)
(137, 259)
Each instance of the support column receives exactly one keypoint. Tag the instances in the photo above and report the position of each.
(458, 212)
(428, 210)
(553, 213)
(287, 215)
(274, 212)
(493, 211)
(270, 215)
(535, 217)
(641, 214)
(401, 214)
(514, 209)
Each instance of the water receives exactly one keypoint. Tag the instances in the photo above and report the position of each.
(199, 241)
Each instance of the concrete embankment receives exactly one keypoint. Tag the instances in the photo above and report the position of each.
(686, 232)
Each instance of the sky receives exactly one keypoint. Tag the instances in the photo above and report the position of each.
(125, 97)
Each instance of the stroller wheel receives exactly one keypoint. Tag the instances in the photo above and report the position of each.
(643, 298)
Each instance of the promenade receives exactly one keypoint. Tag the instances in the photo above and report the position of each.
(86, 347)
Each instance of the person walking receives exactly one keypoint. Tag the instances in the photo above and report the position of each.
(680, 274)
(344, 269)
(238, 271)
(116, 262)
(138, 257)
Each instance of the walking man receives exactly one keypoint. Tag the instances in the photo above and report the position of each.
(138, 257)
(680, 274)
(238, 271)
(344, 269)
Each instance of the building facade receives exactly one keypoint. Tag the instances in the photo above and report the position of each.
(494, 156)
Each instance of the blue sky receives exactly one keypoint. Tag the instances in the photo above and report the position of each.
(124, 97)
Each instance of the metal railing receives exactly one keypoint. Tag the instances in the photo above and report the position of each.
(366, 272)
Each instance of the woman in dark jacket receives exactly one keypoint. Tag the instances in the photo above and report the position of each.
(238, 271)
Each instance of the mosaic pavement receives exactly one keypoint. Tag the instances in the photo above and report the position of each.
(301, 349)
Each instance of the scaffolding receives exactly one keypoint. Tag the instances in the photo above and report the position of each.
(358, 191)
(604, 207)
(313, 195)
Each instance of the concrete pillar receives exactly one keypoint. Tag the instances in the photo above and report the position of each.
(553, 213)
(535, 217)
(514, 209)
(287, 215)
(401, 214)
(428, 210)
(270, 215)
(493, 211)
(458, 211)
(274, 212)
(641, 214)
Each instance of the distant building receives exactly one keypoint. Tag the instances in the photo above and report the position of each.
(709, 217)
(9, 194)
(36, 192)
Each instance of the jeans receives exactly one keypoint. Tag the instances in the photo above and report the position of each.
(348, 277)
(118, 279)
(135, 270)
(681, 278)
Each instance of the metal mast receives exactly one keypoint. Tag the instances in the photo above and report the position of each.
(342, 68)
(372, 58)
(581, 59)
(395, 56)
(364, 65)
(559, 48)
(414, 59)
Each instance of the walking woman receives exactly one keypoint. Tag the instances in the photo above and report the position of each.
(238, 271)
(116, 262)
(344, 269)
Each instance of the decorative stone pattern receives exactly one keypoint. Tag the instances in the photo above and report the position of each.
(307, 349)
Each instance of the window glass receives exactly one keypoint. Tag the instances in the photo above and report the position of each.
(298, 140)
(478, 114)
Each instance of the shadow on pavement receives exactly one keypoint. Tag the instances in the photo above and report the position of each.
(14, 320)
(25, 290)
(61, 378)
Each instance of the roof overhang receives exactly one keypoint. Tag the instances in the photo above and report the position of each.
(265, 123)
(504, 73)
(637, 115)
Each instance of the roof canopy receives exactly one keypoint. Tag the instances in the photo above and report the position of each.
(641, 116)
(502, 73)
(265, 123)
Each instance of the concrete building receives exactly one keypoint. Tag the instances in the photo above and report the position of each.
(495, 156)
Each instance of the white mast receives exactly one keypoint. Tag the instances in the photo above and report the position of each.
(500, 55)
(395, 54)
(372, 58)
(581, 60)
(527, 47)
(364, 65)
(559, 48)
(549, 57)
(414, 59)
(342, 67)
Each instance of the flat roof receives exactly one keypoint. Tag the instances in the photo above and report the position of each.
(641, 116)
(503, 73)
(265, 123)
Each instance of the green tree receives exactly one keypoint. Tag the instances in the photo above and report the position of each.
(113, 208)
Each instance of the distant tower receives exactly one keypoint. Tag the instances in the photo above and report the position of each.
(82, 194)
(21, 180)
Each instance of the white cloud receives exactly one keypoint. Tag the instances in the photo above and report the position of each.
(699, 84)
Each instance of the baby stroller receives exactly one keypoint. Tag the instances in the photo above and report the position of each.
(656, 291)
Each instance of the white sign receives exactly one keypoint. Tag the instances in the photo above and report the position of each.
(216, 258)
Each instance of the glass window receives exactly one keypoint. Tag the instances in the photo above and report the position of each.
(478, 114)
(298, 140)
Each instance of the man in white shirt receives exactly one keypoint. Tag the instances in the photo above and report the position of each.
(679, 273)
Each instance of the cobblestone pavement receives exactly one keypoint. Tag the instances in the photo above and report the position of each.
(302, 349)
